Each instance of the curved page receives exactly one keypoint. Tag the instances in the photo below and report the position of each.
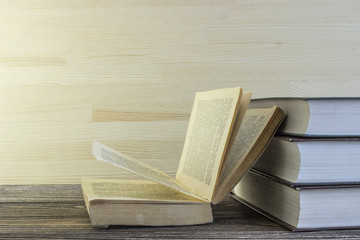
(107, 154)
(208, 134)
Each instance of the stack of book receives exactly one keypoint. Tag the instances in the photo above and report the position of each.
(308, 178)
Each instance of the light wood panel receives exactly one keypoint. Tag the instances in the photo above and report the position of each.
(125, 73)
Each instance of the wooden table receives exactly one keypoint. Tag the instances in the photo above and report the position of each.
(58, 211)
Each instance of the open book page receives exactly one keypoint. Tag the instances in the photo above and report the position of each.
(116, 189)
(244, 103)
(210, 125)
(255, 132)
(107, 154)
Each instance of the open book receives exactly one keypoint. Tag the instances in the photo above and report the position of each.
(223, 141)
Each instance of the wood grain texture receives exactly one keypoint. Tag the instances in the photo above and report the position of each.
(125, 73)
(58, 212)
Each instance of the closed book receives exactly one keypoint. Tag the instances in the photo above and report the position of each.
(301, 209)
(312, 161)
(316, 116)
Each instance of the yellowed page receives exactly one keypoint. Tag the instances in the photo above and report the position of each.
(242, 154)
(117, 189)
(255, 121)
(107, 154)
(210, 125)
(244, 103)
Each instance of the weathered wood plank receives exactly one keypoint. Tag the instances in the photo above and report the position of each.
(58, 212)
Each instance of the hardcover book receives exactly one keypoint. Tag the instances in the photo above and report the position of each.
(305, 208)
(316, 116)
(312, 161)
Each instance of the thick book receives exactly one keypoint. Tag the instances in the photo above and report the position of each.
(316, 116)
(312, 161)
(301, 209)
(223, 141)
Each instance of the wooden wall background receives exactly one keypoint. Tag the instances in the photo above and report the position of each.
(125, 73)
